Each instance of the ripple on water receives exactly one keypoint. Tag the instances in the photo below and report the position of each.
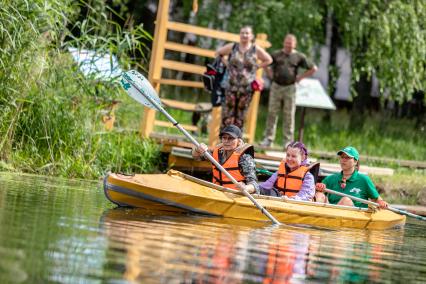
(54, 230)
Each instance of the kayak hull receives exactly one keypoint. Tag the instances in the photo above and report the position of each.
(174, 192)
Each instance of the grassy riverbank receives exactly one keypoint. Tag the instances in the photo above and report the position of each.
(406, 186)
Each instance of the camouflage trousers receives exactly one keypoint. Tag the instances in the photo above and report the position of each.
(235, 108)
(285, 95)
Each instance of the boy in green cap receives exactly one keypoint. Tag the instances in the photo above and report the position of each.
(350, 182)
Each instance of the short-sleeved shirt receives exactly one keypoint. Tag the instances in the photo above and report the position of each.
(358, 185)
(285, 66)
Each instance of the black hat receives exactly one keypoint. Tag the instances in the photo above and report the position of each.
(232, 130)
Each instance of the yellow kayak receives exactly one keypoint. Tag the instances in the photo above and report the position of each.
(178, 192)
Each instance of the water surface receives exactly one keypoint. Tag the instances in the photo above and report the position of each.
(62, 231)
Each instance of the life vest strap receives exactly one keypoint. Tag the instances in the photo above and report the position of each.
(295, 177)
(230, 182)
(290, 176)
(290, 190)
(230, 169)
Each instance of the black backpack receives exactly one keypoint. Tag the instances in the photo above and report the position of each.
(212, 79)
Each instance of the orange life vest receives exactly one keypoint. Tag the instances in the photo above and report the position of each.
(290, 183)
(280, 265)
(231, 165)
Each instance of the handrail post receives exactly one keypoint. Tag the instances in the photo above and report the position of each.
(251, 118)
(155, 64)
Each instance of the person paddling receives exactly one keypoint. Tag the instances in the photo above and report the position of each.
(350, 182)
(293, 178)
(235, 156)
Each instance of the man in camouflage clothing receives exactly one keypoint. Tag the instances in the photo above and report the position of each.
(284, 74)
(235, 156)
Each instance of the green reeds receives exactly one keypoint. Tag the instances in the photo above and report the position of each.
(50, 113)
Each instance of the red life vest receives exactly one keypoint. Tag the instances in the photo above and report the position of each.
(290, 183)
(230, 165)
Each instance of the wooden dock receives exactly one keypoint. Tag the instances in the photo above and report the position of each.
(331, 155)
(180, 157)
(332, 168)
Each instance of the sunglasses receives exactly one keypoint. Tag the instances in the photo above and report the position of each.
(227, 138)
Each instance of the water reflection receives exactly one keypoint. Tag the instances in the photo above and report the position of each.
(217, 250)
(353, 256)
(60, 231)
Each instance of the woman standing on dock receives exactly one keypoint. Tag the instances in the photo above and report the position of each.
(241, 84)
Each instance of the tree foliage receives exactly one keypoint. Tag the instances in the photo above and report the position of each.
(384, 37)
(388, 38)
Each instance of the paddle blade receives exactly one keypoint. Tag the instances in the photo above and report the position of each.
(139, 88)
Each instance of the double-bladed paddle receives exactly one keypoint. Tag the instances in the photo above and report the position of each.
(375, 204)
(139, 88)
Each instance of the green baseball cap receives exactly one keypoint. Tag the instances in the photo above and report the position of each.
(350, 151)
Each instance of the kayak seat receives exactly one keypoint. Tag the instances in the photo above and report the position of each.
(314, 170)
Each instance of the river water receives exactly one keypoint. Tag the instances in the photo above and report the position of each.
(60, 231)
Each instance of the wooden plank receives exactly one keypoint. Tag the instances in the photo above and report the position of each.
(330, 167)
(184, 67)
(162, 123)
(184, 48)
(226, 36)
(251, 116)
(181, 83)
(160, 37)
(214, 126)
(403, 163)
(198, 107)
(363, 169)
(189, 164)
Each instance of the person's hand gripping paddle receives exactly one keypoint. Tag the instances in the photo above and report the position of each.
(139, 88)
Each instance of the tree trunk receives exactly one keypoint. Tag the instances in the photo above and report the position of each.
(361, 102)
(332, 42)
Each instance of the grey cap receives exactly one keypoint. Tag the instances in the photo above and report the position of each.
(232, 130)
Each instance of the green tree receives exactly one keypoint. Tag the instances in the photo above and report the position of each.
(385, 37)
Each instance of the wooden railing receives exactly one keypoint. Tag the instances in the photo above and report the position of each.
(158, 63)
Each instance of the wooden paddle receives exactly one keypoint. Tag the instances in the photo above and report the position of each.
(375, 204)
(139, 88)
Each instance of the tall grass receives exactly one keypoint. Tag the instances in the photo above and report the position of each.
(49, 112)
